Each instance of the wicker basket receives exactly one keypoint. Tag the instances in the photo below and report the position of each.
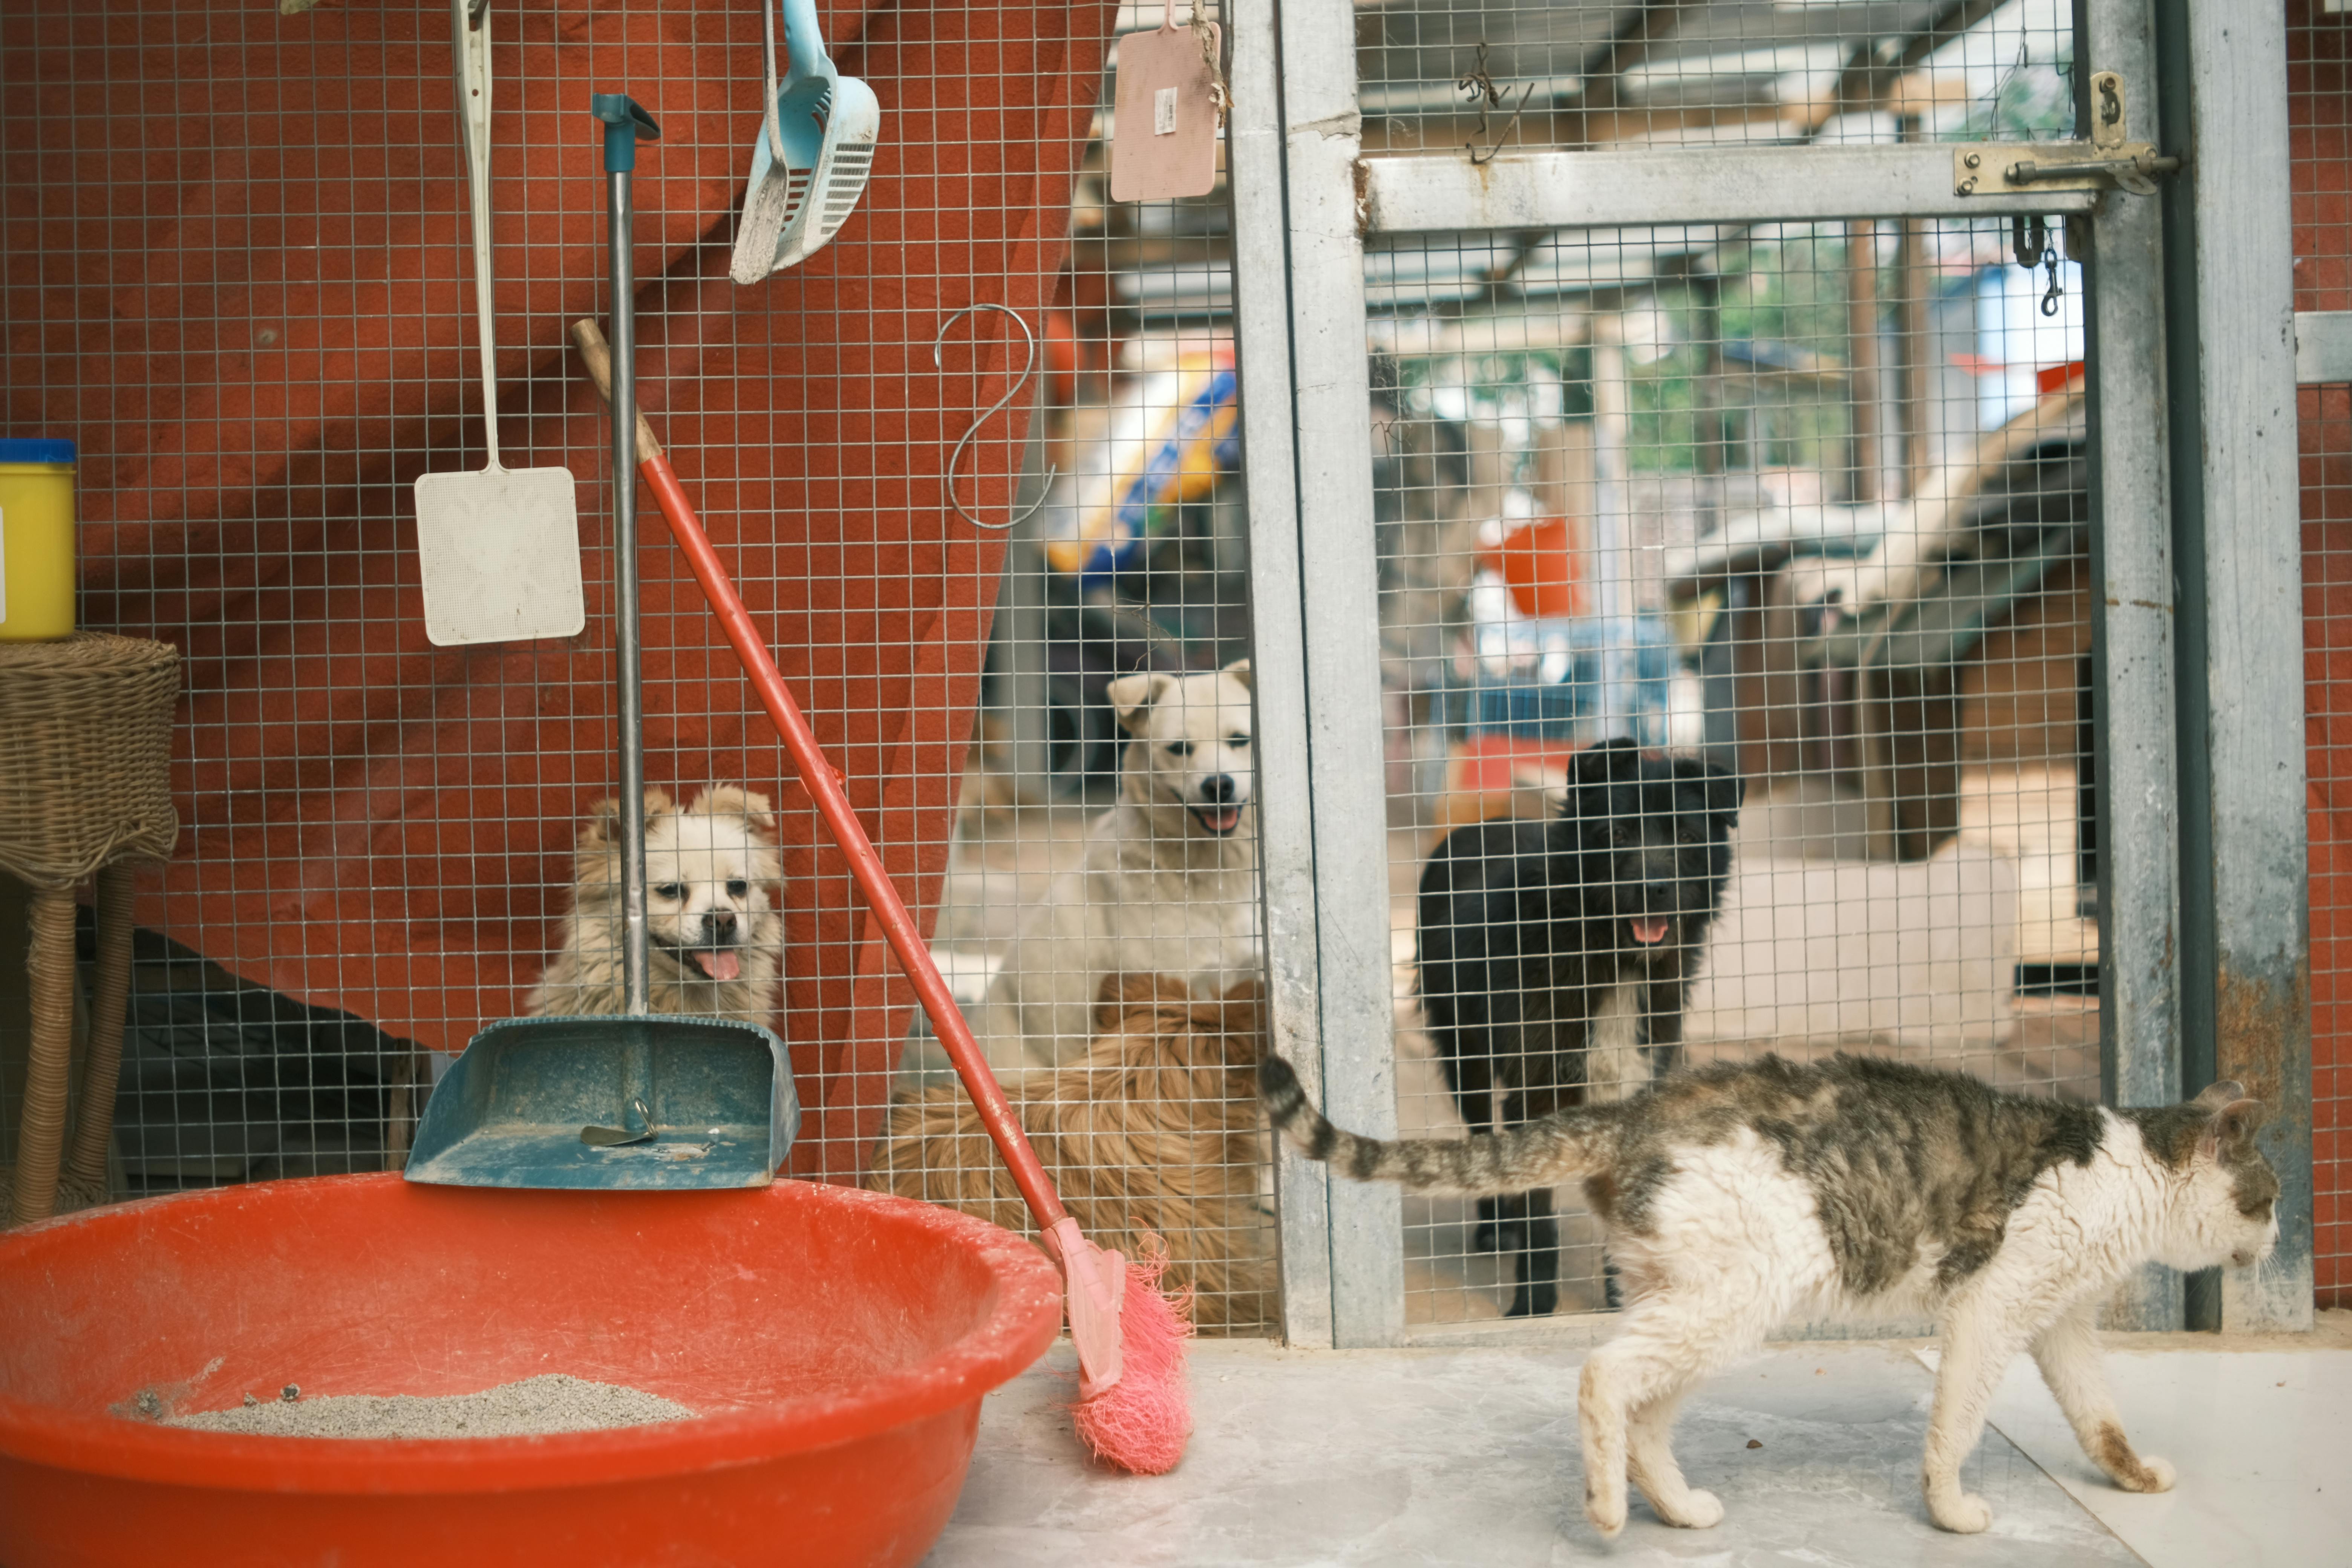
(85, 756)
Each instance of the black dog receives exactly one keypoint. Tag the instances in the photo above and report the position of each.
(1554, 955)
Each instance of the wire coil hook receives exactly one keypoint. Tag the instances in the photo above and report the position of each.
(956, 459)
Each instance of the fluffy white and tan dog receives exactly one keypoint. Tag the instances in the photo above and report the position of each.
(717, 939)
(1168, 883)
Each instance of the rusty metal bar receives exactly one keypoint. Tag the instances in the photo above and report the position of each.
(2245, 980)
(2137, 738)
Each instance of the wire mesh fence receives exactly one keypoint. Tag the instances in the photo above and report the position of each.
(1489, 76)
(260, 338)
(1797, 509)
(1100, 912)
(2320, 110)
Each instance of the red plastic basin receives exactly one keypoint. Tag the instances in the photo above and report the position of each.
(838, 1341)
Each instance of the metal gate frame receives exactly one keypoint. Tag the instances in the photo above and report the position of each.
(2196, 612)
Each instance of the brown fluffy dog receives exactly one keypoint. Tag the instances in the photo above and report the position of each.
(717, 946)
(1157, 1127)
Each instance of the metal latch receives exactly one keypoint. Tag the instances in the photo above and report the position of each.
(1984, 168)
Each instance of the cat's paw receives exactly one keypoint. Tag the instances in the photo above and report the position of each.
(1964, 1513)
(1698, 1511)
(1608, 1515)
(2154, 1475)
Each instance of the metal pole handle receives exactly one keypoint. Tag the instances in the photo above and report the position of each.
(636, 959)
(625, 123)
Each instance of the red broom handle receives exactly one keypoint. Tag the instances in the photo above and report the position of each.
(825, 787)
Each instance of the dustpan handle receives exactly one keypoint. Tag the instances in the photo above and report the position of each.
(622, 117)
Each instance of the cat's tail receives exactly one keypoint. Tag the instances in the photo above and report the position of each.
(1560, 1148)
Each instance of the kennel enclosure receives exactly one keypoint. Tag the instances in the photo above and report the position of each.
(2183, 606)
(1534, 374)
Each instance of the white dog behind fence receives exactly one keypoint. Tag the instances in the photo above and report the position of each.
(1169, 882)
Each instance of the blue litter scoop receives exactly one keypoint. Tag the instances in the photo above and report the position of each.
(814, 153)
(640, 1100)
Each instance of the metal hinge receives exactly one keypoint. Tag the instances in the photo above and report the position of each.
(1993, 168)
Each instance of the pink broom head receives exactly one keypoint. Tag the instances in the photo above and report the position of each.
(1142, 1422)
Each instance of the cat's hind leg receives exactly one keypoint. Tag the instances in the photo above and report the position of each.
(1674, 1336)
(1650, 1463)
(2067, 1351)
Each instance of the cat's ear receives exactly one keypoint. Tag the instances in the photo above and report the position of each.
(2230, 1137)
(2215, 1096)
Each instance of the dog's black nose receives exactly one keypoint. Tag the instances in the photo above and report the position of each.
(721, 924)
(1219, 789)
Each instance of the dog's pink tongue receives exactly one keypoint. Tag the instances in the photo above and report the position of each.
(1224, 821)
(1650, 929)
(720, 963)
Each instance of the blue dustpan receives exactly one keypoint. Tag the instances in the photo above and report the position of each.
(638, 1101)
(611, 1103)
(814, 150)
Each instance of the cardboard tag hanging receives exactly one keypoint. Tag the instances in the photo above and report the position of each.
(1164, 126)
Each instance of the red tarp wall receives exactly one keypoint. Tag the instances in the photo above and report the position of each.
(2320, 106)
(236, 271)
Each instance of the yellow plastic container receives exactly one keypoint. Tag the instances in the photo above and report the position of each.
(36, 540)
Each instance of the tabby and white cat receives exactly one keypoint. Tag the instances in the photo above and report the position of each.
(1743, 1195)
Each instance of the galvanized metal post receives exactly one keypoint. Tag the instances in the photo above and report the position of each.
(1331, 403)
(2132, 639)
(1261, 268)
(2245, 985)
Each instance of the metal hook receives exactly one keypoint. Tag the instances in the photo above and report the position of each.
(2056, 290)
(995, 408)
(1478, 84)
(1503, 135)
(1485, 94)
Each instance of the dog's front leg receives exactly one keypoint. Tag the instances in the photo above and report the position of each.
(1527, 1225)
(1662, 1025)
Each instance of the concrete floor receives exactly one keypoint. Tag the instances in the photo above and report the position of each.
(2255, 1431)
(1469, 1457)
